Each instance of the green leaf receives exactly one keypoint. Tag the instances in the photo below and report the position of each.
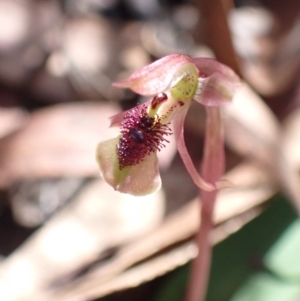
(284, 257)
(265, 287)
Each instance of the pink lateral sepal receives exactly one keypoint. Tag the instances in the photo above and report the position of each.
(218, 82)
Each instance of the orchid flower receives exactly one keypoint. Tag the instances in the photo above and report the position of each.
(129, 162)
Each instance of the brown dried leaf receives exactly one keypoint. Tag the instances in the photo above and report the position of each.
(57, 141)
(97, 220)
(159, 265)
(11, 120)
(252, 130)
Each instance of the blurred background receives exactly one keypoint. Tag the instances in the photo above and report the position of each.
(64, 233)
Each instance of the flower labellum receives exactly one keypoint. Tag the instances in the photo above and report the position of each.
(142, 135)
(129, 163)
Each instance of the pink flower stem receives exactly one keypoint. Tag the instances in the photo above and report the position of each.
(212, 170)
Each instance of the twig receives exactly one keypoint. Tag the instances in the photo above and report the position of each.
(217, 32)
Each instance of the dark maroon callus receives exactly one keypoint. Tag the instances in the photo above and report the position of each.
(141, 135)
(158, 99)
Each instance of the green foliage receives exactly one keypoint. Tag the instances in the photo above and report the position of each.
(283, 259)
(266, 287)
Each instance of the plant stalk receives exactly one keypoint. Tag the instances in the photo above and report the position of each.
(212, 169)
